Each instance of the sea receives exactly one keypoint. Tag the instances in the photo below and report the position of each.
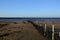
(32, 19)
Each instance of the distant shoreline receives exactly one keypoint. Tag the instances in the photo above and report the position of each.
(29, 17)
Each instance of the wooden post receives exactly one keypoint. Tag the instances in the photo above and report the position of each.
(59, 34)
(53, 32)
(45, 30)
(40, 25)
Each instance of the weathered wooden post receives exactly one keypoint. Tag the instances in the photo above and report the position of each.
(37, 22)
(59, 34)
(53, 32)
(40, 25)
(44, 29)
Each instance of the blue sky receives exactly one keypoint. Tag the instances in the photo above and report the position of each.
(29, 8)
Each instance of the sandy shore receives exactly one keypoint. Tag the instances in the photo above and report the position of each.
(21, 30)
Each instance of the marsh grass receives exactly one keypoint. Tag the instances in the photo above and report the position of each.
(1, 25)
(7, 38)
(15, 22)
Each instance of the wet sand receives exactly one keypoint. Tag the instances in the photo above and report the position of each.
(21, 30)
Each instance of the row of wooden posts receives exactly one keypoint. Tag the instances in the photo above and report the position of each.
(45, 26)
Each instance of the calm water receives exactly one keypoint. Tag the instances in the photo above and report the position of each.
(38, 19)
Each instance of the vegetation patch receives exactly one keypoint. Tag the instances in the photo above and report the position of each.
(1, 25)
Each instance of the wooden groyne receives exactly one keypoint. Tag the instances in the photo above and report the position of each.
(39, 28)
(47, 31)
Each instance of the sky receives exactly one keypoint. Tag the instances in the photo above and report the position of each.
(29, 8)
